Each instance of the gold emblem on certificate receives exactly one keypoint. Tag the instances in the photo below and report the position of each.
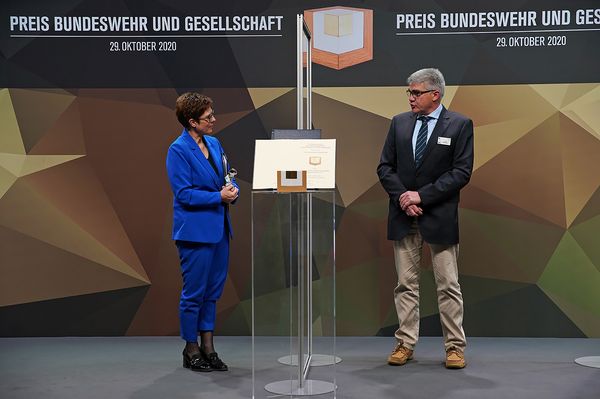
(314, 160)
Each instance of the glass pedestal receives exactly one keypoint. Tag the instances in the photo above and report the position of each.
(293, 294)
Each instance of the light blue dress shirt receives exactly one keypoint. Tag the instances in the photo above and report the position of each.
(430, 126)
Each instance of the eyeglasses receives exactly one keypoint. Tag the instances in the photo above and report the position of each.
(208, 118)
(416, 93)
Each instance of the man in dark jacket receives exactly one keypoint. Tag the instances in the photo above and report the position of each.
(426, 159)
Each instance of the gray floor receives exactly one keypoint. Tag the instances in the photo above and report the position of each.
(150, 367)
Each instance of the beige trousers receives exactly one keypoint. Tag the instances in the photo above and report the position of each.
(407, 254)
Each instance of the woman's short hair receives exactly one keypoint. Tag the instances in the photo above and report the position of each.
(191, 106)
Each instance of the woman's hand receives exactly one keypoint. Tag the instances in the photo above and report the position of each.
(229, 193)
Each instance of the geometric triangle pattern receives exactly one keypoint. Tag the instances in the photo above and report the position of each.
(571, 280)
(534, 181)
(61, 236)
(86, 211)
(21, 165)
(107, 313)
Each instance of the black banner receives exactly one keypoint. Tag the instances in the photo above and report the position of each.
(127, 44)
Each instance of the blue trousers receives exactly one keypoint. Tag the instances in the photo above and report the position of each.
(204, 271)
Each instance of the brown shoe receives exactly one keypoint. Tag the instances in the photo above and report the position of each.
(455, 359)
(399, 356)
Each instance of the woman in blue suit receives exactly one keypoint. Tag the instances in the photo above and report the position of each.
(197, 168)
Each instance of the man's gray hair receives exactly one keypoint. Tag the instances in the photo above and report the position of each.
(432, 77)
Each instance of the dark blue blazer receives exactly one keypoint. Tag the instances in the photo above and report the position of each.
(443, 172)
(199, 215)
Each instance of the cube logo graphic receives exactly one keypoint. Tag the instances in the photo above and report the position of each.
(342, 36)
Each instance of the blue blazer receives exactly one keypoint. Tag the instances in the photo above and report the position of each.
(199, 215)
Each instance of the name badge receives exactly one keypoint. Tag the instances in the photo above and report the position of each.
(444, 140)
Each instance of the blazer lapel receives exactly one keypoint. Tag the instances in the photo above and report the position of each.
(406, 138)
(216, 155)
(440, 127)
(208, 169)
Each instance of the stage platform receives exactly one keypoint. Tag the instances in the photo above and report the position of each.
(150, 368)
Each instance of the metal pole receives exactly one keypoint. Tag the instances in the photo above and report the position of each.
(253, 315)
(309, 259)
(299, 85)
(309, 85)
(300, 242)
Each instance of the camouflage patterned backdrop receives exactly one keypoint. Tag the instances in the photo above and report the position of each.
(85, 206)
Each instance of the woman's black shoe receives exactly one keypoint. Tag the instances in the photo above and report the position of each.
(213, 360)
(196, 362)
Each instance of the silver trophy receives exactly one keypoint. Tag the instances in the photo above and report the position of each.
(229, 176)
(232, 172)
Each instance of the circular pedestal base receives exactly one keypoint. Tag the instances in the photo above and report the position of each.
(316, 360)
(290, 387)
(589, 361)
